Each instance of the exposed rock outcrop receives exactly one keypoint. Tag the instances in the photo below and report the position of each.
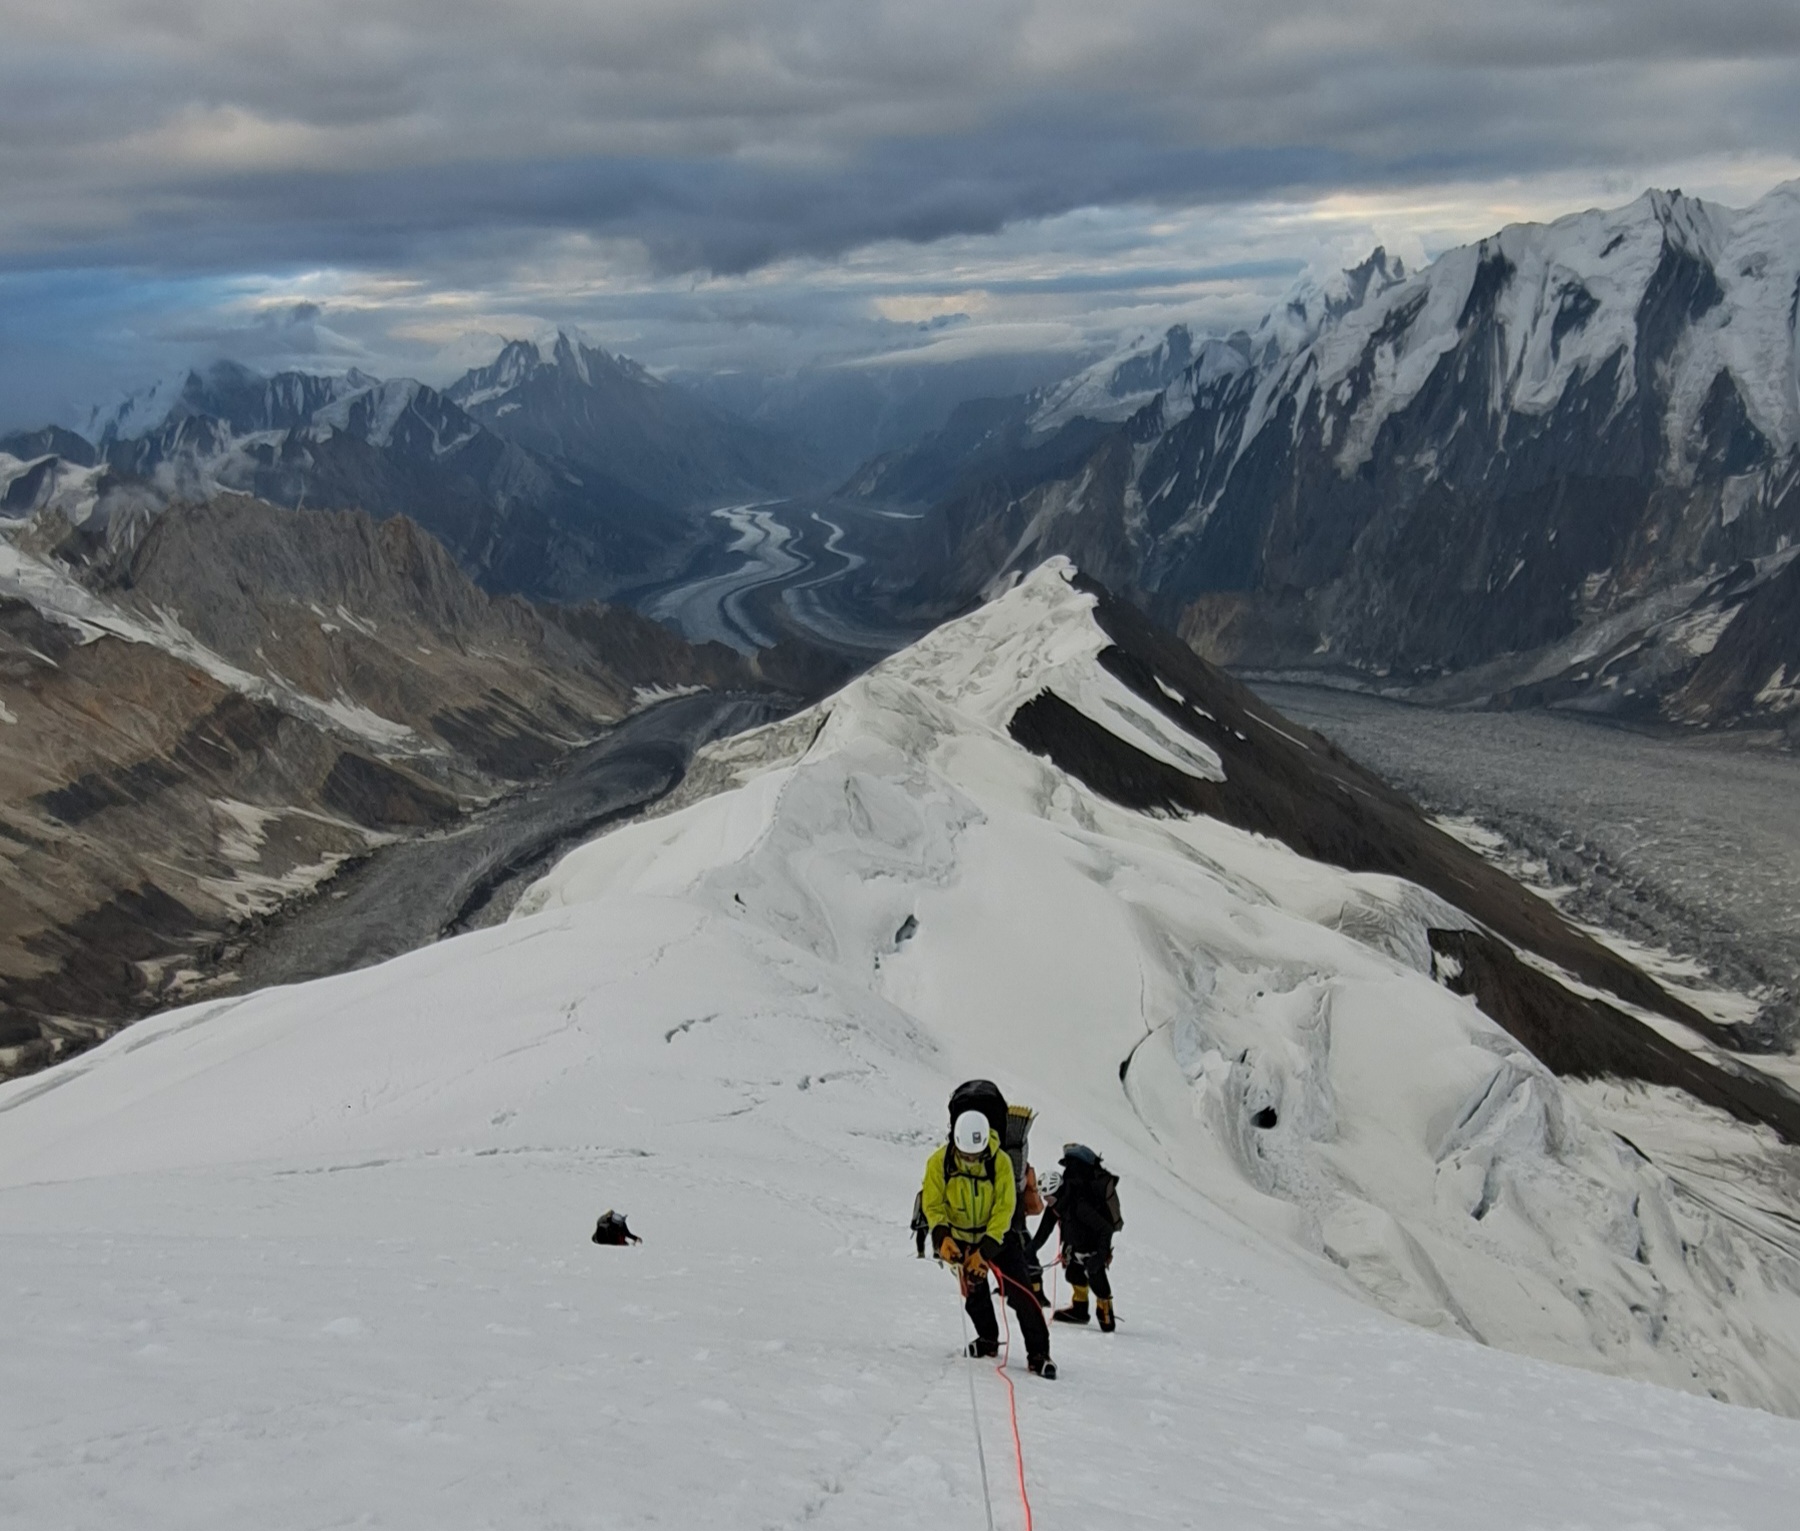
(209, 713)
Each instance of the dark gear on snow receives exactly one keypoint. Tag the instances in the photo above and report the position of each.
(611, 1229)
(921, 1227)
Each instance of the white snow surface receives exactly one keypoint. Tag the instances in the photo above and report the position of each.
(318, 1256)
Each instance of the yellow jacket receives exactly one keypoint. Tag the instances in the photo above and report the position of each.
(973, 1203)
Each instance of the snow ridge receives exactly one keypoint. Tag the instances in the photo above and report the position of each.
(1421, 1154)
(738, 1022)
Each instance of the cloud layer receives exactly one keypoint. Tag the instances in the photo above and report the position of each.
(463, 147)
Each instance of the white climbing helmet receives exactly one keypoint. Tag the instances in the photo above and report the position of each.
(970, 1135)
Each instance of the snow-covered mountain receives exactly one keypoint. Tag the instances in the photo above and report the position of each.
(322, 1252)
(571, 476)
(1118, 386)
(1588, 431)
(516, 521)
(597, 411)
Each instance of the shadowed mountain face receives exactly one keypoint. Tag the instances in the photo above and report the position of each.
(1548, 468)
(605, 413)
(1755, 666)
(568, 478)
(512, 519)
(209, 714)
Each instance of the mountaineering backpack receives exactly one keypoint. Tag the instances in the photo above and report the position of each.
(1113, 1215)
(981, 1095)
(1016, 1140)
(1031, 1199)
(611, 1229)
(1011, 1124)
(1087, 1201)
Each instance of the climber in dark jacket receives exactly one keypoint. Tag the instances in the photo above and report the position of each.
(1084, 1206)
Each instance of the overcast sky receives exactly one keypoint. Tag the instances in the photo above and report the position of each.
(762, 183)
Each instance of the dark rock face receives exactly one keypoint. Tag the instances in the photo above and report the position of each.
(1754, 669)
(1584, 1038)
(51, 441)
(513, 520)
(605, 414)
(1283, 781)
(1570, 429)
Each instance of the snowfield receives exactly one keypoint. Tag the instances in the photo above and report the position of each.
(318, 1256)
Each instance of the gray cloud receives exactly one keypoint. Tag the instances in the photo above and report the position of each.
(726, 133)
(726, 180)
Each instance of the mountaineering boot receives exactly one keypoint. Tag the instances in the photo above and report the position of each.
(980, 1348)
(1042, 1366)
(1104, 1305)
(1075, 1313)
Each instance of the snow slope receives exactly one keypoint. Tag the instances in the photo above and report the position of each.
(318, 1256)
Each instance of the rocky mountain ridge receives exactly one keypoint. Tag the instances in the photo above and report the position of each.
(567, 478)
(600, 412)
(1550, 466)
(205, 713)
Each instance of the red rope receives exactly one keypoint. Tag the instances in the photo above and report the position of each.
(1012, 1398)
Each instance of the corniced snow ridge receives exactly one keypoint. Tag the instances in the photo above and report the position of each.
(321, 1254)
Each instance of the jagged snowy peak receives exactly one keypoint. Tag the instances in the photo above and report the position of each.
(1120, 384)
(738, 1024)
(1566, 301)
(602, 412)
(1566, 424)
(521, 362)
(1263, 1025)
(247, 402)
(515, 519)
(134, 412)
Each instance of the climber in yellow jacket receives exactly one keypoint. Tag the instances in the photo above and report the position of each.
(968, 1199)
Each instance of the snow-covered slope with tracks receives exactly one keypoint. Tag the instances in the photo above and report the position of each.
(320, 1254)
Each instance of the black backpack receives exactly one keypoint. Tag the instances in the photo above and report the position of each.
(981, 1095)
(611, 1229)
(1087, 1201)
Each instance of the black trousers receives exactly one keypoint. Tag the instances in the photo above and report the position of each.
(979, 1301)
(1089, 1271)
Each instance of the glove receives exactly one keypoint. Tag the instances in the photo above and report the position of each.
(950, 1252)
(974, 1267)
